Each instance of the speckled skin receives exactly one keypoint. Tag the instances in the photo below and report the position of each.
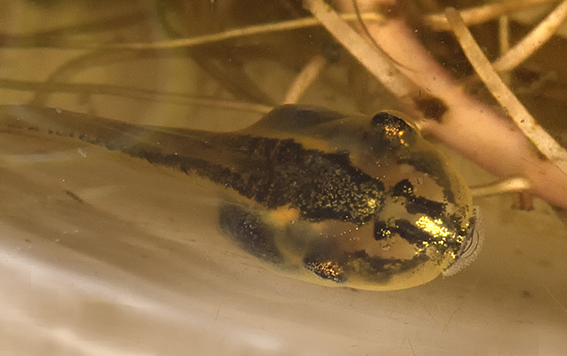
(363, 202)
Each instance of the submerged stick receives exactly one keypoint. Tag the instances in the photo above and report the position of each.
(516, 111)
(474, 129)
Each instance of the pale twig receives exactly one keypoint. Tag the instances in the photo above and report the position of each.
(541, 139)
(199, 40)
(533, 41)
(506, 186)
(376, 62)
(469, 126)
(53, 36)
(504, 34)
(141, 94)
(481, 14)
(307, 76)
(504, 42)
(70, 68)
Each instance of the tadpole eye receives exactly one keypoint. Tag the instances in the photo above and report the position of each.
(471, 245)
(392, 130)
(386, 119)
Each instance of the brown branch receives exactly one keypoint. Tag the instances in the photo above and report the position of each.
(305, 78)
(531, 129)
(481, 14)
(127, 92)
(534, 40)
(469, 126)
(8, 41)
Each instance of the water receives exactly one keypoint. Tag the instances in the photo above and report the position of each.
(102, 254)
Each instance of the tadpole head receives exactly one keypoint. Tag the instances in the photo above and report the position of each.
(426, 225)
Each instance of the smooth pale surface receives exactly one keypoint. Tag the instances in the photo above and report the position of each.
(138, 267)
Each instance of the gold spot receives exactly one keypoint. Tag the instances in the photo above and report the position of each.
(285, 215)
(327, 270)
(433, 227)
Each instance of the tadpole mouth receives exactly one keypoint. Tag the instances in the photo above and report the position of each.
(471, 246)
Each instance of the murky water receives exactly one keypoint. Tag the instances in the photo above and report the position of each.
(105, 254)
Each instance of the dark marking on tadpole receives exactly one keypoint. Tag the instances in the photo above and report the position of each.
(381, 230)
(403, 188)
(388, 121)
(326, 269)
(276, 173)
(429, 163)
(431, 107)
(417, 204)
(410, 232)
(250, 232)
(381, 270)
(390, 134)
